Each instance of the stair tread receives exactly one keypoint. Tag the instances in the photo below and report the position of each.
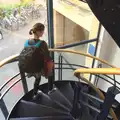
(44, 99)
(67, 91)
(94, 98)
(30, 109)
(44, 118)
(56, 95)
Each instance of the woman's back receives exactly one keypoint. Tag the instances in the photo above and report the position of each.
(38, 59)
(40, 44)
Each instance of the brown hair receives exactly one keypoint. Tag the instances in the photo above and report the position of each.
(37, 27)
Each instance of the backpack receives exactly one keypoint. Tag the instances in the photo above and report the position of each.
(30, 58)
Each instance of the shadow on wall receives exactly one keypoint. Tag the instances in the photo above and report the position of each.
(66, 31)
(73, 32)
(79, 33)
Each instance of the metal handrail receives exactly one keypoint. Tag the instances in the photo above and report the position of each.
(63, 68)
(101, 95)
(82, 42)
(1, 97)
(12, 86)
(12, 58)
(8, 81)
(18, 81)
(97, 75)
(55, 68)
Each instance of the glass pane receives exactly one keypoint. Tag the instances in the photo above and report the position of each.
(72, 60)
(16, 21)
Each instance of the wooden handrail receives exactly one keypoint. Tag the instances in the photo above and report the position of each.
(83, 54)
(60, 50)
(109, 71)
(3, 62)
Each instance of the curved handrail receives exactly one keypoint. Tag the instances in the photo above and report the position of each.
(101, 95)
(14, 83)
(3, 62)
(3, 85)
(109, 71)
(84, 54)
(76, 73)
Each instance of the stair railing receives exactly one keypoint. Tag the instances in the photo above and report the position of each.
(14, 58)
(109, 71)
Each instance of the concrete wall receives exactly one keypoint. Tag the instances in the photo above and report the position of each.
(73, 32)
(58, 28)
(66, 31)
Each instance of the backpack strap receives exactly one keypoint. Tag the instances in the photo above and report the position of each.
(26, 43)
(36, 44)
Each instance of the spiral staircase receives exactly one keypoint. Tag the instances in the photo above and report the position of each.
(59, 103)
(78, 99)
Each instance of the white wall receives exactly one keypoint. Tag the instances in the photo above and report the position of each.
(109, 49)
(111, 53)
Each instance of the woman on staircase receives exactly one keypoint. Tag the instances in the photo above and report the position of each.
(37, 31)
(34, 58)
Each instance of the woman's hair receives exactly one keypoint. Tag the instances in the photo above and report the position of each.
(37, 27)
